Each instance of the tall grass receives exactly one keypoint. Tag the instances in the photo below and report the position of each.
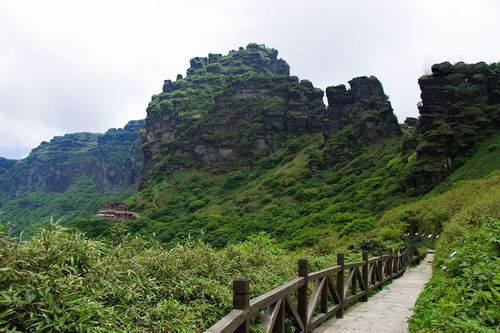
(63, 282)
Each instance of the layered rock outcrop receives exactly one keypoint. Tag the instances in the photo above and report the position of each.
(236, 108)
(460, 107)
(364, 110)
(113, 159)
(229, 109)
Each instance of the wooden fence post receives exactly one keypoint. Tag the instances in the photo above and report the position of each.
(365, 276)
(380, 264)
(302, 293)
(405, 256)
(241, 301)
(340, 285)
(396, 261)
(389, 264)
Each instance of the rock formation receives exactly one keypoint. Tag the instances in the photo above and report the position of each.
(113, 159)
(460, 107)
(229, 109)
(235, 108)
(364, 109)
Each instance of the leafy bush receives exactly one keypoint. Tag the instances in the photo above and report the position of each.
(60, 281)
(463, 294)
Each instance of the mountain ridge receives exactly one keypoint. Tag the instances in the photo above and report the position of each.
(243, 123)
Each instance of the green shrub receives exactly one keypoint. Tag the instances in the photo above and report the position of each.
(463, 295)
(64, 282)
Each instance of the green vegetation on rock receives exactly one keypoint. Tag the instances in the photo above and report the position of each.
(71, 176)
(460, 107)
(230, 109)
(283, 194)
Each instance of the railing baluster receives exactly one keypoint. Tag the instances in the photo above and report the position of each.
(403, 258)
(395, 262)
(380, 264)
(279, 326)
(396, 255)
(340, 284)
(389, 264)
(324, 296)
(354, 280)
(365, 276)
(302, 293)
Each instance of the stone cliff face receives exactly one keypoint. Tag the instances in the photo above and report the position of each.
(232, 108)
(113, 159)
(5, 164)
(364, 108)
(53, 165)
(236, 108)
(119, 158)
(460, 107)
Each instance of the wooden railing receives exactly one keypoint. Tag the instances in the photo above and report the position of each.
(293, 304)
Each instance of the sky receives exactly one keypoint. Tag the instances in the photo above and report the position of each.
(85, 66)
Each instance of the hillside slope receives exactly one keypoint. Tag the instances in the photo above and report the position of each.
(70, 176)
(464, 212)
(337, 180)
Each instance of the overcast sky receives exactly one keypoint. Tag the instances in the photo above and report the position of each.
(70, 66)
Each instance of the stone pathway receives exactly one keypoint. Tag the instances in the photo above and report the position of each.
(387, 311)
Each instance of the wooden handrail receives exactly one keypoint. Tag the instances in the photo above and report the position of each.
(324, 272)
(335, 287)
(276, 294)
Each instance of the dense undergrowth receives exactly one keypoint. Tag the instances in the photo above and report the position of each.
(61, 281)
(81, 198)
(462, 295)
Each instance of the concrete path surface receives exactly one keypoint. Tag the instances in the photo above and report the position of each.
(387, 311)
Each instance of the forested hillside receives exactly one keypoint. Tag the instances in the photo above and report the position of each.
(71, 176)
(265, 154)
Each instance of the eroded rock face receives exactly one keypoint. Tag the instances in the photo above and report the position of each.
(119, 158)
(364, 108)
(411, 123)
(5, 164)
(229, 109)
(460, 107)
(113, 159)
(233, 109)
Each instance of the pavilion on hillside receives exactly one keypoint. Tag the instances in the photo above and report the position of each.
(116, 210)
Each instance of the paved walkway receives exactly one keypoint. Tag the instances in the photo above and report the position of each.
(387, 311)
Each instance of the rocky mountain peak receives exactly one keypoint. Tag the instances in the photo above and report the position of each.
(460, 107)
(364, 107)
(255, 58)
(229, 109)
(113, 159)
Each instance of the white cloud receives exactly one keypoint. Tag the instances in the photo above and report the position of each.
(69, 66)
